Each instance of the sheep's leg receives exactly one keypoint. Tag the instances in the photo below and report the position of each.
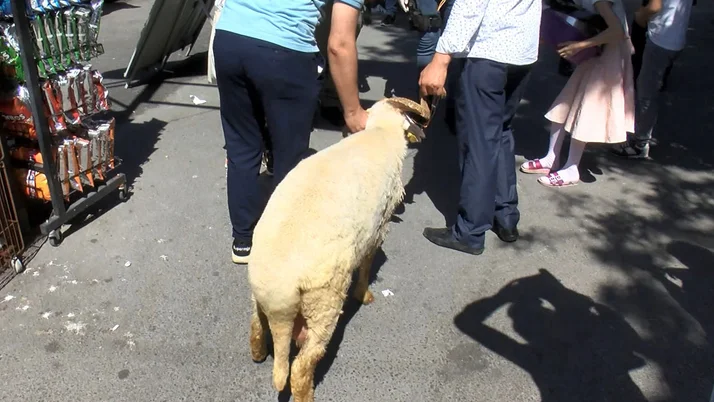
(282, 331)
(321, 324)
(361, 292)
(258, 334)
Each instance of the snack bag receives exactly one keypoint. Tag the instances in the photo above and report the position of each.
(42, 46)
(64, 50)
(65, 92)
(10, 52)
(17, 109)
(63, 170)
(84, 153)
(73, 165)
(89, 94)
(26, 154)
(54, 106)
(80, 91)
(52, 40)
(70, 31)
(96, 151)
(34, 183)
(82, 17)
(100, 93)
(107, 133)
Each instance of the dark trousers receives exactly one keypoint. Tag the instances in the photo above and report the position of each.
(259, 83)
(488, 96)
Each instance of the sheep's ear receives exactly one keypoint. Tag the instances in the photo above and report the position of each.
(409, 106)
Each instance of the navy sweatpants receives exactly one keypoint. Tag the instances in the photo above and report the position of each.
(488, 96)
(261, 82)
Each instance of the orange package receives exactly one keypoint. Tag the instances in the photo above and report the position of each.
(34, 183)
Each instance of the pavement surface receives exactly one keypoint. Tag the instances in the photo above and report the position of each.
(606, 297)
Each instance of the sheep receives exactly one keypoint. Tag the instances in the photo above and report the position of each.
(326, 219)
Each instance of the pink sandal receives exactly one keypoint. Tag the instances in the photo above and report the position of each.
(534, 167)
(554, 180)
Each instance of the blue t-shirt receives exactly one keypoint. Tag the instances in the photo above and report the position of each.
(287, 23)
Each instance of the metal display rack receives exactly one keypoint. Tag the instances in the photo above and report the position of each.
(62, 213)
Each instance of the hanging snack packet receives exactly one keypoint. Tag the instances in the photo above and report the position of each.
(34, 183)
(84, 154)
(89, 96)
(65, 89)
(82, 15)
(54, 106)
(100, 92)
(17, 109)
(94, 22)
(63, 169)
(96, 151)
(107, 134)
(73, 165)
(64, 50)
(51, 35)
(36, 6)
(10, 53)
(80, 92)
(75, 88)
(70, 31)
(45, 64)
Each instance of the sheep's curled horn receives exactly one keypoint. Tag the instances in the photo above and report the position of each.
(415, 129)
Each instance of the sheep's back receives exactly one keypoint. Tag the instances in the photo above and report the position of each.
(330, 210)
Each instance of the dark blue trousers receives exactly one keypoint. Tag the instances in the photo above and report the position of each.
(487, 97)
(259, 83)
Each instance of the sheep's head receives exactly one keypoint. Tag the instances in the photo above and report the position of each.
(413, 117)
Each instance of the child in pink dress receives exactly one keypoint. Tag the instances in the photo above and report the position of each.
(597, 103)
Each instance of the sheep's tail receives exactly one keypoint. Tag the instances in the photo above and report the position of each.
(281, 331)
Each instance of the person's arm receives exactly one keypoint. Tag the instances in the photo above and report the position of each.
(645, 13)
(342, 57)
(614, 32)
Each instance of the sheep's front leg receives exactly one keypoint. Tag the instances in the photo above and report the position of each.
(362, 293)
(258, 334)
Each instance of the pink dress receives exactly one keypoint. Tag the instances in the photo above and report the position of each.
(597, 103)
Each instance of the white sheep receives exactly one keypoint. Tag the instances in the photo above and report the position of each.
(325, 220)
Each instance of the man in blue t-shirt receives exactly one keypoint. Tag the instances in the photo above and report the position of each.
(266, 60)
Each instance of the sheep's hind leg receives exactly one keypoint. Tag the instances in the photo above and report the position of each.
(321, 324)
(258, 334)
(361, 292)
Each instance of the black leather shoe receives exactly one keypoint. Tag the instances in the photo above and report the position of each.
(507, 235)
(444, 238)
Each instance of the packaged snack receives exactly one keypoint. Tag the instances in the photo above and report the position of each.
(34, 183)
(89, 94)
(45, 61)
(84, 154)
(96, 151)
(63, 170)
(65, 91)
(73, 165)
(70, 31)
(107, 133)
(94, 22)
(54, 106)
(26, 154)
(36, 6)
(64, 50)
(80, 91)
(51, 35)
(82, 15)
(18, 108)
(101, 101)
(10, 52)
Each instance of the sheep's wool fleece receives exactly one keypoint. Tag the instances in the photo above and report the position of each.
(327, 214)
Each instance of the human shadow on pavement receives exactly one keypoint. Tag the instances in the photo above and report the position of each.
(576, 349)
(655, 230)
(350, 309)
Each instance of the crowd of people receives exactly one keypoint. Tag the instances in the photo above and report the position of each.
(276, 62)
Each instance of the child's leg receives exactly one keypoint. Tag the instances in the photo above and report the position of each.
(569, 174)
(544, 164)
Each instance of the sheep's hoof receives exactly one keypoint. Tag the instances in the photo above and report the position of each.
(364, 297)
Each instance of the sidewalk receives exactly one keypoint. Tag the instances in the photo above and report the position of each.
(607, 297)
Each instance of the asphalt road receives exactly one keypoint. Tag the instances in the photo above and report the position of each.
(607, 296)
